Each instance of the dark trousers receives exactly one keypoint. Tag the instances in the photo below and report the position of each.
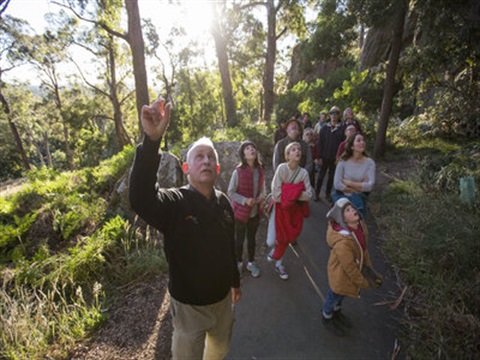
(250, 229)
(327, 165)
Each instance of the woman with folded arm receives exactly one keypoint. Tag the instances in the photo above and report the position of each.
(355, 174)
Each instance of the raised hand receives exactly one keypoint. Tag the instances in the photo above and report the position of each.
(155, 118)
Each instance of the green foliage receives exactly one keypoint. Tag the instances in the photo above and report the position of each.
(313, 97)
(332, 37)
(438, 257)
(55, 288)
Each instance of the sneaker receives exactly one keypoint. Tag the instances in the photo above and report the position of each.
(270, 258)
(282, 272)
(332, 326)
(341, 319)
(254, 270)
(316, 198)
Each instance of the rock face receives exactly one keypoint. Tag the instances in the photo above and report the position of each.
(169, 172)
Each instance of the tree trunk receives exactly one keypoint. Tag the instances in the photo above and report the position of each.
(19, 144)
(222, 56)
(135, 40)
(121, 133)
(16, 136)
(389, 89)
(268, 77)
(46, 144)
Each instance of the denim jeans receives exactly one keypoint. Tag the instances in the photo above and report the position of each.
(357, 200)
(333, 302)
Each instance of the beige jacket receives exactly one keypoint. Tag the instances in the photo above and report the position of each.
(345, 262)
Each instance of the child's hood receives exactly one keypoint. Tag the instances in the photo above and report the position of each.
(336, 212)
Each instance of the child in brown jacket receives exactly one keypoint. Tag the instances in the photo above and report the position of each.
(349, 265)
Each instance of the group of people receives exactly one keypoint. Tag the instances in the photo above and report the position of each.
(335, 149)
(205, 230)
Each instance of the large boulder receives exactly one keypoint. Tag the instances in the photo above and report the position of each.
(169, 172)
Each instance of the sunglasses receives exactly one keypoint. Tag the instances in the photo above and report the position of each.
(334, 113)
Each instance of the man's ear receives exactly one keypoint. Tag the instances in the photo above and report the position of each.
(185, 168)
(218, 169)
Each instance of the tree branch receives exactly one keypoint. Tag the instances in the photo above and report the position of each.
(95, 22)
(281, 33)
(257, 3)
(87, 82)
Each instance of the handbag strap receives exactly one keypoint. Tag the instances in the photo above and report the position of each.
(295, 175)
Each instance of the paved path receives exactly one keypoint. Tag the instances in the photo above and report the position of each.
(279, 319)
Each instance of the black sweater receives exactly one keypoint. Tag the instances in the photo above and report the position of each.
(198, 233)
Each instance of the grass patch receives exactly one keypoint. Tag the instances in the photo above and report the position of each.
(432, 239)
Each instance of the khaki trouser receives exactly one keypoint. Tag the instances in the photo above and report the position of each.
(202, 332)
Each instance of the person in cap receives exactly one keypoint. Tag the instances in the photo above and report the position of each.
(198, 227)
(291, 191)
(330, 137)
(247, 192)
(354, 174)
(349, 265)
(294, 134)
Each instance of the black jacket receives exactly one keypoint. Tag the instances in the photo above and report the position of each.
(198, 233)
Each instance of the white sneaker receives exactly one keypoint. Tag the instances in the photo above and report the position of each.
(282, 272)
(254, 270)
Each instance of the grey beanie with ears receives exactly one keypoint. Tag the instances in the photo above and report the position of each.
(336, 212)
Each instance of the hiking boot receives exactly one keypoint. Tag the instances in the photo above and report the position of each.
(281, 272)
(341, 319)
(332, 326)
(254, 270)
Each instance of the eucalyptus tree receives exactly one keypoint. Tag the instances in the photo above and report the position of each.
(133, 36)
(399, 9)
(283, 17)
(14, 42)
(170, 54)
(109, 59)
(219, 31)
(47, 54)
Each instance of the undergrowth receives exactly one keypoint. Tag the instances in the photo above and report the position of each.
(63, 253)
(431, 238)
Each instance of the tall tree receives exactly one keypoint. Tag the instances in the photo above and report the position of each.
(13, 43)
(218, 33)
(49, 51)
(399, 10)
(104, 48)
(282, 16)
(133, 36)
